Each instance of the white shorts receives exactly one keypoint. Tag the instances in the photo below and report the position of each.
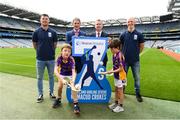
(120, 83)
(67, 78)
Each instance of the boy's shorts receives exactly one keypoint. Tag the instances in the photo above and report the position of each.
(120, 83)
(67, 78)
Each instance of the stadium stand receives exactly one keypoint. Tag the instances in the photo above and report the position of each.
(17, 26)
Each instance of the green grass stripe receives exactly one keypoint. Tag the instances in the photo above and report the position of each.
(144, 51)
(13, 64)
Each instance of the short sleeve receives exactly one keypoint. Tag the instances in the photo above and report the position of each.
(121, 38)
(55, 37)
(58, 61)
(73, 63)
(35, 37)
(141, 38)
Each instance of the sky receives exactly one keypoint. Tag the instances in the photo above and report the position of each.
(90, 10)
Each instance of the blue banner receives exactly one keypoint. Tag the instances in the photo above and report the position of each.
(95, 88)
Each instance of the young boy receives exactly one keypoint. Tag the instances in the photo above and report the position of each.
(65, 72)
(119, 79)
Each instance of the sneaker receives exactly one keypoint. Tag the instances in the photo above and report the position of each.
(118, 109)
(40, 99)
(112, 106)
(52, 96)
(56, 103)
(139, 98)
(76, 109)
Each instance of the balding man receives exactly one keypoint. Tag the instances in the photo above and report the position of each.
(132, 44)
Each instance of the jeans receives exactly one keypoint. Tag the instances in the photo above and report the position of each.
(40, 67)
(135, 67)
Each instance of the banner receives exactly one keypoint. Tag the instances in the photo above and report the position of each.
(95, 88)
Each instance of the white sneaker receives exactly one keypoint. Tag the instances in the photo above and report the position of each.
(118, 109)
(112, 106)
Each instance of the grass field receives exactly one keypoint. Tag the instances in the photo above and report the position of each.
(160, 76)
(18, 101)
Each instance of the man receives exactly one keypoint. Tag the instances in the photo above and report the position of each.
(76, 32)
(100, 33)
(132, 44)
(44, 42)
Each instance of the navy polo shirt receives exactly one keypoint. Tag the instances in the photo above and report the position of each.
(130, 45)
(45, 43)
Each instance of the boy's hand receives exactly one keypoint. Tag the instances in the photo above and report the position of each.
(121, 68)
(102, 73)
(65, 82)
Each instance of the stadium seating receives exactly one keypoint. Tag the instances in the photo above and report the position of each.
(18, 33)
(13, 43)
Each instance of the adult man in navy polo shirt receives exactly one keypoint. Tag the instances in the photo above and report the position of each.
(76, 32)
(44, 42)
(132, 44)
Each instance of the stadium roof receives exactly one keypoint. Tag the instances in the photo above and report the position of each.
(122, 21)
(21, 13)
(174, 7)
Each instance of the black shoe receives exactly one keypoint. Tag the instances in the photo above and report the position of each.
(56, 103)
(40, 99)
(76, 109)
(139, 98)
(52, 96)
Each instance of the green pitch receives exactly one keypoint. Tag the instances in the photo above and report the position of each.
(160, 76)
(18, 101)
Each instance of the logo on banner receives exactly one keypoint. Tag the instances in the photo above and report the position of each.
(95, 88)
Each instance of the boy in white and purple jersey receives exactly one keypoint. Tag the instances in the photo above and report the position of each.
(119, 80)
(66, 74)
(118, 62)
